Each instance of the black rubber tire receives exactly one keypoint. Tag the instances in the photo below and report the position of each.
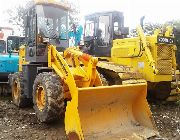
(54, 99)
(161, 91)
(21, 101)
(104, 80)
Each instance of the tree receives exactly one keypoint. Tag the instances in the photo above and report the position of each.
(150, 27)
(16, 16)
(176, 25)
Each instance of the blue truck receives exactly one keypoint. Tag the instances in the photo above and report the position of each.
(8, 60)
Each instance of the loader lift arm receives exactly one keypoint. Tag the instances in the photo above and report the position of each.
(76, 59)
(61, 68)
(88, 76)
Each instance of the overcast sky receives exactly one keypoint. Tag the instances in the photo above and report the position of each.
(4, 6)
(154, 10)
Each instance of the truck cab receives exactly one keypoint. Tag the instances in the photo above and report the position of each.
(9, 56)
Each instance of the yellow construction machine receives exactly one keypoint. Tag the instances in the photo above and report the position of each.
(123, 59)
(70, 83)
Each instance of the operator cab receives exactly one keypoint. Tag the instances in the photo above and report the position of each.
(100, 31)
(46, 23)
(13, 43)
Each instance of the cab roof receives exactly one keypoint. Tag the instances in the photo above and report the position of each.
(60, 3)
(97, 14)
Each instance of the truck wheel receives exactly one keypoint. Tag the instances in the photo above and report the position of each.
(48, 97)
(18, 96)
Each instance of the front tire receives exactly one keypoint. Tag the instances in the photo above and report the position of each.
(18, 96)
(48, 97)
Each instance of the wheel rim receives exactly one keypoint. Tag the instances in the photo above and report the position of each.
(40, 98)
(15, 90)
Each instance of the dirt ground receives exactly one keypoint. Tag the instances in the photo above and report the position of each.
(167, 119)
(21, 124)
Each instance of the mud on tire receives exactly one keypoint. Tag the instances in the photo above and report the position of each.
(52, 106)
(18, 96)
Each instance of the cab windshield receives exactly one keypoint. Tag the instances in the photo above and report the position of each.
(2, 46)
(13, 43)
(52, 22)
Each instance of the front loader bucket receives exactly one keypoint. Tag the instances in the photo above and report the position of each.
(115, 112)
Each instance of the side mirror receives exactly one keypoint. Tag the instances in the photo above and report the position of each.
(27, 21)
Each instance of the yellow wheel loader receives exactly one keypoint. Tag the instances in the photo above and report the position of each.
(123, 59)
(69, 83)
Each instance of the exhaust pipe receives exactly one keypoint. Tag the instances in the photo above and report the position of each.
(142, 21)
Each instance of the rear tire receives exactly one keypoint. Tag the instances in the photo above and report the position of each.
(18, 96)
(48, 97)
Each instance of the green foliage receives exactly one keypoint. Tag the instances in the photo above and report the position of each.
(149, 27)
(176, 24)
